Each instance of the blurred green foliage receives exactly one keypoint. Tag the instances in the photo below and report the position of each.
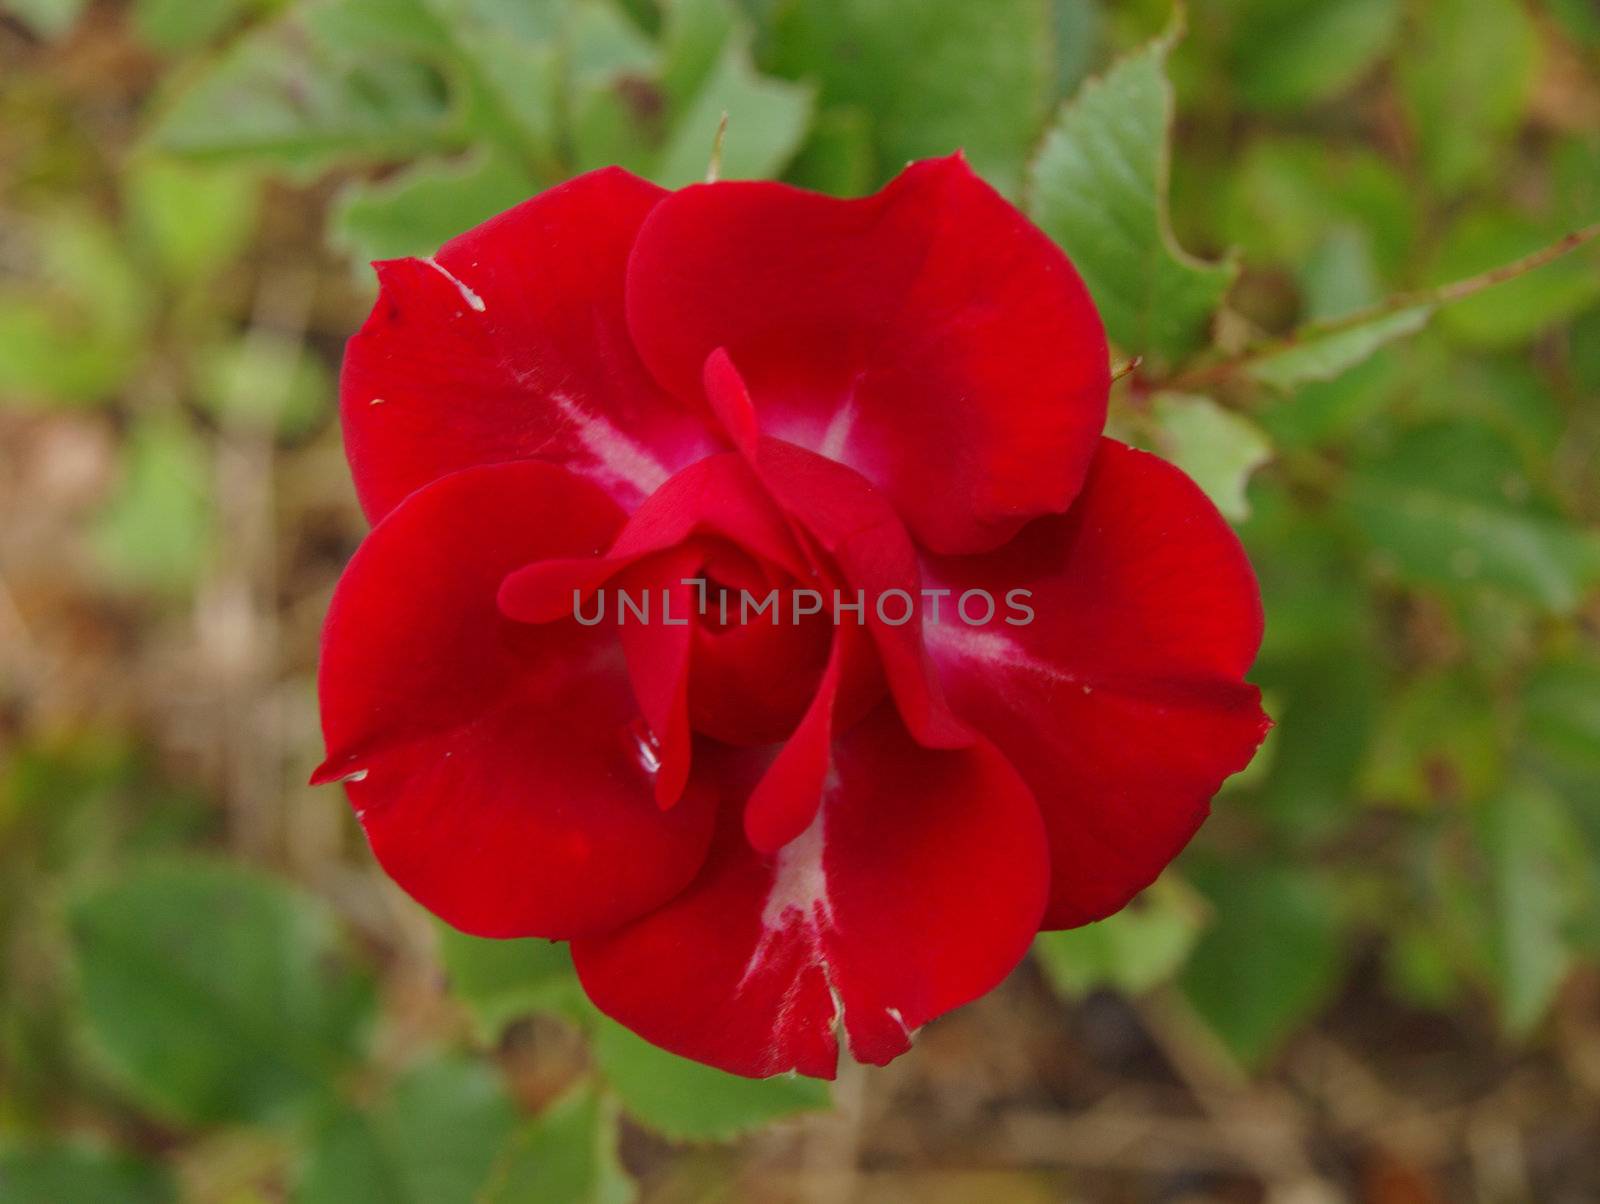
(1416, 483)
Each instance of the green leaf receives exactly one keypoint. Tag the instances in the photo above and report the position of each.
(1533, 863)
(837, 157)
(1327, 708)
(936, 75)
(603, 43)
(616, 126)
(1340, 277)
(565, 1155)
(1286, 56)
(155, 531)
(175, 25)
(1583, 351)
(217, 994)
(684, 1100)
(646, 14)
(48, 18)
(1270, 959)
(86, 260)
(658, 114)
(42, 359)
(511, 56)
(1320, 413)
(692, 44)
(72, 329)
(1506, 394)
(1561, 741)
(1580, 19)
(1562, 715)
(1139, 947)
(1513, 312)
(522, 81)
(400, 27)
(618, 111)
(1318, 666)
(766, 123)
(1284, 197)
(194, 220)
(1437, 740)
(1079, 32)
(1328, 355)
(1309, 579)
(1450, 505)
(1099, 188)
(534, 20)
(75, 1174)
(1218, 448)
(281, 95)
(1418, 966)
(502, 981)
(417, 211)
(431, 1139)
(264, 381)
(1465, 79)
(1499, 632)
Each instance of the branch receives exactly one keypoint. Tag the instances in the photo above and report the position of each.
(1444, 294)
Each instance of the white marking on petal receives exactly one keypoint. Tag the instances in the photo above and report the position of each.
(835, 1021)
(474, 302)
(898, 1017)
(798, 898)
(798, 908)
(357, 775)
(618, 460)
(800, 883)
(838, 431)
(993, 648)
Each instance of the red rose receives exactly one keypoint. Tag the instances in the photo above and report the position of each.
(751, 830)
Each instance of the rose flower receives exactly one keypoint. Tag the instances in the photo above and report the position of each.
(759, 829)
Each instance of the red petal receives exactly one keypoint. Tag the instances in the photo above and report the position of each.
(928, 336)
(718, 495)
(785, 801)
(658, 661)
(1122, 703)
(511, 343)
(715, 508)
(495, 765)
(730, 401)
(855, 525)
(918, 889)
(753, 679)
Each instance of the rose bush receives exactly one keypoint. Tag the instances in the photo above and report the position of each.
(754, 833)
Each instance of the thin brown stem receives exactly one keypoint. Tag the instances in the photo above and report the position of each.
(1444, 294)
